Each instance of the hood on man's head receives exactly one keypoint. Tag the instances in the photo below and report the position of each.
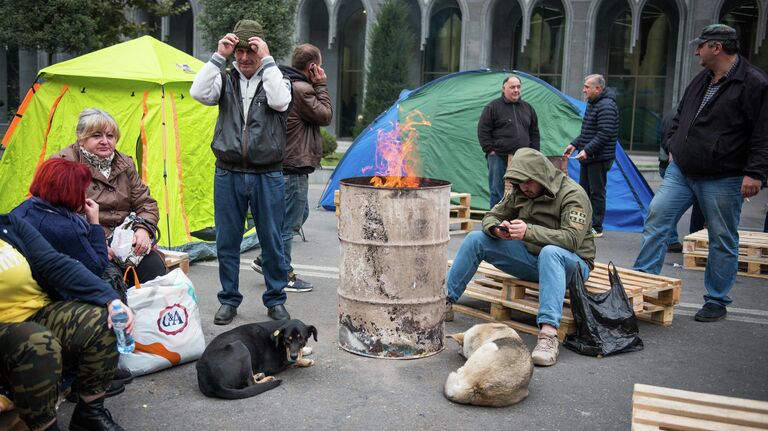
(529, 164)
(246, 29)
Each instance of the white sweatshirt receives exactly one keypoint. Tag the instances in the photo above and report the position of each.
(206, 87)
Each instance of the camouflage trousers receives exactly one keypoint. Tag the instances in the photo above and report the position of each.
(62, 336)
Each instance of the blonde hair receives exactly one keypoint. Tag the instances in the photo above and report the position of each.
(94, 120)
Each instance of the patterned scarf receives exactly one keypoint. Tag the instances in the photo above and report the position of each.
(103, 165)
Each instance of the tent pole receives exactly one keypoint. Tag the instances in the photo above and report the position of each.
(165, 169)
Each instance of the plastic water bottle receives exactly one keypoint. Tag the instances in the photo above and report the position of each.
(125, 342)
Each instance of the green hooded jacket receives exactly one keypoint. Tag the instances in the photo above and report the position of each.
(560, 216)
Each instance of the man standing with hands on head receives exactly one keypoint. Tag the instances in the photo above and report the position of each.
(718, 146)
(506, 125)
(596, 145)
(248, 142)
(303, 148)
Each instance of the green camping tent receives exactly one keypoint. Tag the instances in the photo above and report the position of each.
(144, 84)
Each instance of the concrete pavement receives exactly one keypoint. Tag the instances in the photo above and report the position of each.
(347, 392)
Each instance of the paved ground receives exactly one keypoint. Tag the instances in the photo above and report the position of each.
(348, 392)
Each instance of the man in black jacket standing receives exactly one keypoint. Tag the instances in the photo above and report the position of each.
(718, 147)
(596, 145)
(506, 125)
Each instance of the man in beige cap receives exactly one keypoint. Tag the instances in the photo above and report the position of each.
(248, 142)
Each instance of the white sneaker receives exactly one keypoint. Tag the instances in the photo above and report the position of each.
(546, 350)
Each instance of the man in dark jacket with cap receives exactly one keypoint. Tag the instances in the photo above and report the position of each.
(718, 146)
(303, 147)
(538, 232)
(506, 125)
(596, 145)
(248, 142)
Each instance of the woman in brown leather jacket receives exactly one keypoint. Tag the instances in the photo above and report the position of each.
(116, 187)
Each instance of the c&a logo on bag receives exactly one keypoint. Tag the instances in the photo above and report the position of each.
(173, 319)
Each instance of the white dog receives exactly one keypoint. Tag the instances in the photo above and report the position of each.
(497, 370)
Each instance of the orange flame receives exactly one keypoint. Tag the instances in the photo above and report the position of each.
(396, 158)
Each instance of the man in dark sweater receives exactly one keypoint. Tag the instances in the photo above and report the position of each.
(596, 145)
(506, 125)
(718, 146)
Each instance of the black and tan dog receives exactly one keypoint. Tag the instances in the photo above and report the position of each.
(240, 363)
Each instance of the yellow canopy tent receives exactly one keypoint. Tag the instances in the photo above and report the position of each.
(144, 84)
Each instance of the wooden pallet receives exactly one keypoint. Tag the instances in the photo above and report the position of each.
(652, 297)
(753, 252)
(460, 213)
(657, 408)
(176, 259)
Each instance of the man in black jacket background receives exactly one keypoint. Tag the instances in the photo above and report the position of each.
(596, 145)
(506, 125)
(718, 147)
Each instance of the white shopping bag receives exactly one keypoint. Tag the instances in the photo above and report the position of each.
(167, 327)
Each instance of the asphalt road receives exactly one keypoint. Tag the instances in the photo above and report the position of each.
(348, 392)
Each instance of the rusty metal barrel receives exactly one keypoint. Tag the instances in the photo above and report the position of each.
(394, 252)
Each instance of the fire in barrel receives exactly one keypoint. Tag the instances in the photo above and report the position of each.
(393, 230)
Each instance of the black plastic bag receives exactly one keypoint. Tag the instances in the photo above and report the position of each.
(605, 323)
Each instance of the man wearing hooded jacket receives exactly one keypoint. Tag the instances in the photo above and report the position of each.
(248, 142)
(303, 147)
(539, 232)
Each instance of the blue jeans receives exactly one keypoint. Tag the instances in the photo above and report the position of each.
(233, 192)
(296, 189)
(720, 201)
(497, 167)
(550, 269)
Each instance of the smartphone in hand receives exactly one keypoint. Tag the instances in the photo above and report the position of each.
(502, 228)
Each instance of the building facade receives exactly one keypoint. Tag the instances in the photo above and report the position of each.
(641, 46)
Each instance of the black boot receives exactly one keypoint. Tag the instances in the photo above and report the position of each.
(92, 417)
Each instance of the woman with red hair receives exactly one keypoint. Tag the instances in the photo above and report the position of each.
(59, 210)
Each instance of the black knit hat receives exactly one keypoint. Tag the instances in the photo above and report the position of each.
(715, 32)
(246, 29)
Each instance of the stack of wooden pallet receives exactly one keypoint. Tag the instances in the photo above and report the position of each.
(176, 259)
(657, 408)
(652, 297)
(753, 252)
(460, 213)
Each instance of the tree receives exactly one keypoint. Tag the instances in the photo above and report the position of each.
(75, 26)
(389, 52)
(276, 16)
(48, 25)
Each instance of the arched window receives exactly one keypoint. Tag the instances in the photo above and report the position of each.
(444, 43)
(506, 22)
(180, 31)
(414, 25)
(313, 25)
(351, 35)
(642, 78)
(543, 54)
(742, 15)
